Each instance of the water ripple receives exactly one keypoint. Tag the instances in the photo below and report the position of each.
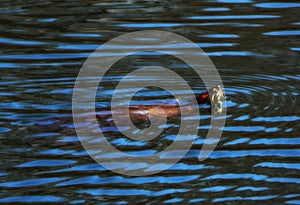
(131, 192)
(283, 33)
(31, 182)
(32, 199)
(229, 17)
(46, 163)
(279, 165)
(21, 42)
(119, 179)
(279, 5)
(240, 198)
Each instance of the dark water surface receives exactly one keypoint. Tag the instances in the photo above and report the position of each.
(255, 47)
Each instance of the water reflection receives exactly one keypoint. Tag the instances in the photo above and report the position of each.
(283, 33)
(226, 17)
(33, 199)
(277, 5)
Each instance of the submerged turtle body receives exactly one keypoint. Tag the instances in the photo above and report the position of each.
(139, 115)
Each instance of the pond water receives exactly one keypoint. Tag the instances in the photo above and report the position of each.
(253, 44)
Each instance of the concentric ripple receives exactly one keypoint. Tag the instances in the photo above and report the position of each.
(264, 94)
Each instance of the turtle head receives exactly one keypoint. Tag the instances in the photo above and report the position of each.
(216, 99)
